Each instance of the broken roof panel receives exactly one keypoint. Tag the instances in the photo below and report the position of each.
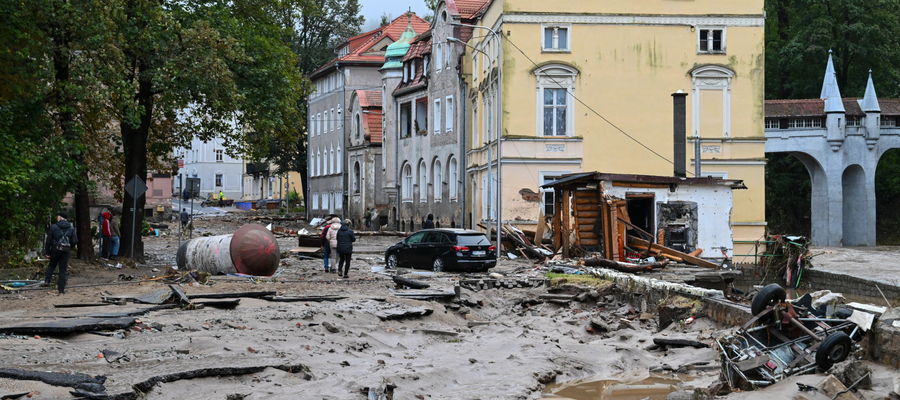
(582, 178)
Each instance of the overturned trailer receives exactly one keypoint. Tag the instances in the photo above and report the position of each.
(251, 250)
(612, 213)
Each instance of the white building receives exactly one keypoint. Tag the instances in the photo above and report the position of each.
(217, 170)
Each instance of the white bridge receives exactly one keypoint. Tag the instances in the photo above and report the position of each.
(840, 142)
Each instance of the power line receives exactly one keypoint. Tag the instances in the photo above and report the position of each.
(592, 109)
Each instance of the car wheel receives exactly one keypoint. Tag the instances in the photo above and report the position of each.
(769, 296)
(834, 349)
(438, 265)
(392, 261)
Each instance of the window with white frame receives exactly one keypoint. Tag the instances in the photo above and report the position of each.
(326, 201)
(556, 38)
(773, 123)
(338, 200)
(318, 163)
(407, 183)
(475, 122)
(853, 121)
(339, 119)
(423, 182)
(315, 201)
(555, 108)
(427, 61)
(450, 116)
(332, 120)
(447, 53)
(357, 127)
(711, 100)
(805, 123)
(318, 123)
(436, 182)
(219, 155)
(438, 124)
(438, 56)
(711, 40)
(219, 180)
(339, 160)
(548, 196)
(453, 178)
(331, 163)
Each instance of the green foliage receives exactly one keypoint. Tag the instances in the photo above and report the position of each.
(887, 198)
(787, 195)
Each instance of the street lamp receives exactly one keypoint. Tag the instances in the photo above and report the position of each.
(499, 116)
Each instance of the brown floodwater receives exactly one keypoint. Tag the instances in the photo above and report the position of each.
(653, 388)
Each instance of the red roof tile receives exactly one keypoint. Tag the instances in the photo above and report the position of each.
(816, 107)
(370, 102)
(468, 9)
(369, 98)
(363, 43)
(373, 126)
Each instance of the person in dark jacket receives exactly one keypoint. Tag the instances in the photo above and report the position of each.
(58, 246)
(345, 239)
(429, 222)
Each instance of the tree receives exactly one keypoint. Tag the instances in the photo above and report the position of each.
(200, 68)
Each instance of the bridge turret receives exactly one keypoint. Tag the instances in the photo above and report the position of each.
(835, 115)
(869, 105)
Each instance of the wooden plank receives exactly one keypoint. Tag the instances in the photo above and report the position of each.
(643, 244)
(588, 235)
(590, 242)
(586, 194)
(565, 223)
(641, 185)
(556, 224)
(583, 200)
(586, 227)
(589, 214)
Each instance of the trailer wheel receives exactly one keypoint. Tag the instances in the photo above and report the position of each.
(834, 349)
(770, 295)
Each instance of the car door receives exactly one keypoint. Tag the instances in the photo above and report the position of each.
(407, 253)
(424, 253)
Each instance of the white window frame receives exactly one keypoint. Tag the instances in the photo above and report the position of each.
(315, 201)
(332, 121)
(338, 198)
(447, 53)
(319, 123)
(709, 39)
(775, 123)
(542, 179)
(555, 45)
(326, 201)
(220, 177)
(422, 177)
(437, 181)
(331, 163)
(220, 155)
(339, 160)
(406, 183)
(438, 121)
(449, 115)
(453, 178)
(439, 55)
(555, 76)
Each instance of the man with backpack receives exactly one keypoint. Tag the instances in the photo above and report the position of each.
(58, 246)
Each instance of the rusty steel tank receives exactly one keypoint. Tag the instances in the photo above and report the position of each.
(251, 250)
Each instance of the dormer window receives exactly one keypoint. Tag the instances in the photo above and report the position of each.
(425, 68)
(405, 72)
(343, 51)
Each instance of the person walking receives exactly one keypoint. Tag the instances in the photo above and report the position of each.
(332, 240)
(429, 222)
(114, 237)
(185, 217)
(345, 239)
(106, 243)
(58, 246)
(326, 247)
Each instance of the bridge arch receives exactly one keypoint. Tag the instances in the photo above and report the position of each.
(855, 206)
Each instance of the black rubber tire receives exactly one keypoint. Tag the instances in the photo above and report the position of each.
(770, 295)
(834, 349)
(438, 265)
(396, 261)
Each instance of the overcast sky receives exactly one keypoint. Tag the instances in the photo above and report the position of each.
(374, 9)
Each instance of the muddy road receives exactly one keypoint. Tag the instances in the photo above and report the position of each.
(574, 338)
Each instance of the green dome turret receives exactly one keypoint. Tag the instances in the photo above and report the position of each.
(396, 51)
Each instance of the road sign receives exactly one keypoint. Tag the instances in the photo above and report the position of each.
(135, 187)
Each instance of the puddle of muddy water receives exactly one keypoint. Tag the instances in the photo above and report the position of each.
(653, 388)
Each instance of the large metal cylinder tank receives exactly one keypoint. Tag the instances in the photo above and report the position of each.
(251, 250)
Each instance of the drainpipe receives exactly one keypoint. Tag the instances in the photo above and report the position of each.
(461, 197)
(679, 139)
(344, 139)
(498, 35)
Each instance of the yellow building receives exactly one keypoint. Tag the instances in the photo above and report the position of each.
(586, 85)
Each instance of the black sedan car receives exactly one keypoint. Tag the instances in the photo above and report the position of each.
(443, 249)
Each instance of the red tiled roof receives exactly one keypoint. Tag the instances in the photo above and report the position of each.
(363, 43)
(420, 46)
(370, 102)
(468, 9)
(816, 107)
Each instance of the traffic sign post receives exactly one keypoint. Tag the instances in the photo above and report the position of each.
(135, 188)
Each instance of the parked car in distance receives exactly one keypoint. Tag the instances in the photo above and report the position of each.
(443, 250)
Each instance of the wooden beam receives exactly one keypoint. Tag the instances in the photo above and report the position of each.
(643, 244)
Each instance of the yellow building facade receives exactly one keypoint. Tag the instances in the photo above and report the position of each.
(586, 85)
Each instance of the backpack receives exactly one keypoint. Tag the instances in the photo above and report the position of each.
(63, 243)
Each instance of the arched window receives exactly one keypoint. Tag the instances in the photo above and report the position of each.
(331, 164)
(339, 160)
(318, 162)
(423, 182)
(357, 126)
(406, 184)
(453, 178)
(555, 105)
(436, 180)
(356, 178)
(711, 101)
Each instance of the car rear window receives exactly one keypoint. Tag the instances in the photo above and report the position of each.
(472, 240)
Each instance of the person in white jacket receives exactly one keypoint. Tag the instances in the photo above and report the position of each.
(332, 239)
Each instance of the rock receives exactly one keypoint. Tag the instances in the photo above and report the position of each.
(849, 371)
(546, 377)
(330, 327)
(598, 326)
(675, 308)
(582, 297)
(472, 361)
(681, 395)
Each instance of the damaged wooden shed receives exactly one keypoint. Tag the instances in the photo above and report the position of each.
(612, 213)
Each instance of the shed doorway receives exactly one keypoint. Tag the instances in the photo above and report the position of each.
(641, 211)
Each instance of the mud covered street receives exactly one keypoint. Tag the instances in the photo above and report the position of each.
(570, 337)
